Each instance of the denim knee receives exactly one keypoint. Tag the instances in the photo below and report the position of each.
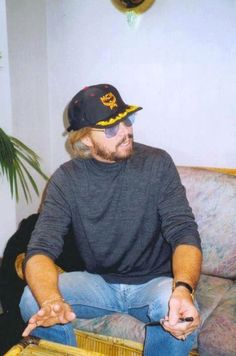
(28, 305)
(63, 334)
(159, 308)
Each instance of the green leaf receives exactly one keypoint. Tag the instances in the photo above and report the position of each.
(14, 158)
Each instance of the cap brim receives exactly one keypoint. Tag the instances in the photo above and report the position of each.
(121, 116)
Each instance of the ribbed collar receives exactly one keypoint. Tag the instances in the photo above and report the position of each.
(104, 167)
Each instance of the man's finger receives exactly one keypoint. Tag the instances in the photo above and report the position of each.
(49, 316)
(173, 316)
(66, 317)
(29, 329)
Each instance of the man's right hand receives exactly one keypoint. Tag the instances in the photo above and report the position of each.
(50, 313)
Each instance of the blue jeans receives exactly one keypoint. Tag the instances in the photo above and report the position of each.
(90, 296)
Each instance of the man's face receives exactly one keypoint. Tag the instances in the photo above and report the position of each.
(113, 149)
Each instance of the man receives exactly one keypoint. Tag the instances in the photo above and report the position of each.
(133, 228)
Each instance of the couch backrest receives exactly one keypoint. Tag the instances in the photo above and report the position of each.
(212, 196)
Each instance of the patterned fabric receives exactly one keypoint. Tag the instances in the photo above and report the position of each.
(210, 292)
(119, 325)
(212, 197)
(218, 334)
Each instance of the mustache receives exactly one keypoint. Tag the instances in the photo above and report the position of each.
(131, 136)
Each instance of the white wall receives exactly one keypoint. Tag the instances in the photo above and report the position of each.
(27, 42)
(7, 205)
(179, 63)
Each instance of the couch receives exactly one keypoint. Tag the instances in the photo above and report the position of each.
(212, 195)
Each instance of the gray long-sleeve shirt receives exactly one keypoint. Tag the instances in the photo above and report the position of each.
(127, 217)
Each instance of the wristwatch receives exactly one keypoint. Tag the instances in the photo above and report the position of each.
(184, 284)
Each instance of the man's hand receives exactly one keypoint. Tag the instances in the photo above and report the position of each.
(181, 306)
(50, 313)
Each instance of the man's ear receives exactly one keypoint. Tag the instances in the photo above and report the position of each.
(87, 141)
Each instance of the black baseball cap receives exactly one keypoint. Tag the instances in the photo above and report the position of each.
(98, 106)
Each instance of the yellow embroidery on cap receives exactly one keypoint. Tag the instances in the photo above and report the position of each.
(120, 116)
(109, 100)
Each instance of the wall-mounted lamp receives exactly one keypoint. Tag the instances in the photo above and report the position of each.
(132, 8)
(138, 6)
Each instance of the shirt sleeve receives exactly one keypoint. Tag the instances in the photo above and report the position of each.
(54, 220)
(177, 220)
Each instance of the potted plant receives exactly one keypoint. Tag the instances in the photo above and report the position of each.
(15, 159)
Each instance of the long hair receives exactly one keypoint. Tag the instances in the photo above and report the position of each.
(79, 148)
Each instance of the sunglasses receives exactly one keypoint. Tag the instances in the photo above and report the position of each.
(113, 130)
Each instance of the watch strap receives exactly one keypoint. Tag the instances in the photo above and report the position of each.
(183, 284)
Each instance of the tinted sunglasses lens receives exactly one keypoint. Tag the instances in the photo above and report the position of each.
(130, 120)
(111, 131)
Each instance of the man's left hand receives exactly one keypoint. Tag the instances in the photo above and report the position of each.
(181, 306)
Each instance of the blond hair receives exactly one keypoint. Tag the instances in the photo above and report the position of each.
(79, 148)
